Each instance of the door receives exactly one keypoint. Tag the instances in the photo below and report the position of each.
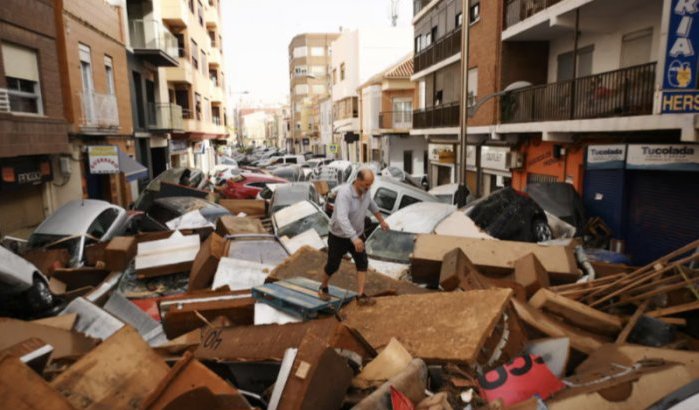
(565, 64)
(408, 162)
(636, 47)
(443, 175)
(150, 103)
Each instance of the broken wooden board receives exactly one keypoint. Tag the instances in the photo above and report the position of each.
(119, 373)
(456, 264)
(33, 352)
(576, 313)
(435, 327)
(319, 377)
(21, 388)
(166, 256)
(531, 274)
(580, 340)
(66, 343)
(309, 263)
(206, 262)
(627, 355)
(490, 257)
(236, 225)
(250, 207)
(187, 375)
(269, 342)
(64, 321)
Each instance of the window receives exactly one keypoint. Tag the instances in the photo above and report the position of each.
(334, 76)
(181, 52)
(195, 54)
(319, 70)
(635, 48)
(472, 86)
(300, 71)
(207, 110)
(213, 76)
(87, 83)
(474, 11)
(301, 89)
(385, 199)
(191, 6)
(408, 162)
(342, 71)
(317, 51)
(565, 64)
(300, 52)
(212, 37)
(318, 89)
(407, 200)
(102, 223)
(434, 34)
(22, 76)
(197, 105)
(109, 73)
(459, 20)
(418, 44)
(426, 40)
(204, 66)
(200, 11)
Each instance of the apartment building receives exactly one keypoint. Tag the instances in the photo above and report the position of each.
(92, 64)
(309, 79)
(386, 103)
(34, 150)
(358, 55)
(612, 110)
(197, 84)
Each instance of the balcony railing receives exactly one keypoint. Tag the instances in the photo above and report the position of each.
(152, 35)
(99, 110)
(624, 92)
(396, 120)
(418, 5)
(440, 116)
(164, 116)
(440, 50)
(519, 10)
(4, 100)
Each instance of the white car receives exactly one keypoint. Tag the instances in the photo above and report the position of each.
(300, 217)
(223, 172)
(23, 288)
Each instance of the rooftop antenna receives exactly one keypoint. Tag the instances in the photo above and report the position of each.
(394, 12)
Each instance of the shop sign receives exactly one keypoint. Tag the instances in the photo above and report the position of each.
(103, 159)
(25, 171)
(178, 146)
(438, 151)
(680, 74)
(494, 158)
(332, 148)
(606, 156)
(675, 157)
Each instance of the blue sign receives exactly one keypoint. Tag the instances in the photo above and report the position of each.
(681, 59)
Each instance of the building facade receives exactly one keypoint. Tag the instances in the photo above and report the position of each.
(386, 104)
(357, 56)
(197, 84)
(309, 79)
(35, 155)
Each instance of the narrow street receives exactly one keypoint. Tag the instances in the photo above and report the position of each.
(349, 204)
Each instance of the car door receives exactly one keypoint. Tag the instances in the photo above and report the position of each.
(386, 199)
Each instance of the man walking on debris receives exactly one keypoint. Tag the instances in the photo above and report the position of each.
(347, 232)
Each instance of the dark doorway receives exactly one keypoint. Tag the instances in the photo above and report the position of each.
(138, 86)
(408, 162)
(158, 160)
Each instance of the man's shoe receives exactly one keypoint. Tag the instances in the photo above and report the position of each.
(324, 294)
(364, 300)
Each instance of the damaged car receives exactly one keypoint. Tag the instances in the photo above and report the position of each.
(24, 290)
(299, 218)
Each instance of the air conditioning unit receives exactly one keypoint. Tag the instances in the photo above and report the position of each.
(515, 160)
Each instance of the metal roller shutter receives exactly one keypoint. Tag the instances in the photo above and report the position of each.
(604, 197)
(663, 213)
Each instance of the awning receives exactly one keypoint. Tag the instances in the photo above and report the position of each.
(131, 168)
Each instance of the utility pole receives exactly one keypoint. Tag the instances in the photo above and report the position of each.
(461, 193)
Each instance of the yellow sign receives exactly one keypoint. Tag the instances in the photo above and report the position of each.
(332, 148)
(103, 159)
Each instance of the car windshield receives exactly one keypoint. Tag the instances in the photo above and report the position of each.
(39, 240)
(394, 246)
(317, 221)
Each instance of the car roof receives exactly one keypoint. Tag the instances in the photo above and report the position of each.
(285, 193)
(185, 204)
(447, 189)
(401, 186)
(294, 213)
(421, 217)
(74, 218)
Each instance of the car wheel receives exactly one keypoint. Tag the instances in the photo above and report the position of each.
(40, 296)
(542, 231)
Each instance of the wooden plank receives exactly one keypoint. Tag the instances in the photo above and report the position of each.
(576, 313)
(21, 388)
(119, 373)
(579, 339)
(659, 291)
(437, 327)
(65, 321)
(621, 339)
(674, 310)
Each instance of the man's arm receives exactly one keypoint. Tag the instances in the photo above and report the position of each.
(342, 206)
(374, 209)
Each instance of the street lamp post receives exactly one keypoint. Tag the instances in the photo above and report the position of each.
(462, 191)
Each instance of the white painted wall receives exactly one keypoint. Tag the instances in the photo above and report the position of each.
(371, 106)
(326, 122)
(607, 37)
(416, 143)
(345, 50)
(254, 128)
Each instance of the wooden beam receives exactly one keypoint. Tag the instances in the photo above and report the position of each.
(674, 310)
(621, 339)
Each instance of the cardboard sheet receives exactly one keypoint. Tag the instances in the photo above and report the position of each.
(239, 274)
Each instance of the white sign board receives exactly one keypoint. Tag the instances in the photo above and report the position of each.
(494, 158)
(471, 158)
(671, 157)
(103, 159)
(606, 156)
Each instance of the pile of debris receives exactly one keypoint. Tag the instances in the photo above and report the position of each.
(224, 317)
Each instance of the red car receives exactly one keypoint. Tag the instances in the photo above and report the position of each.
(247, 185)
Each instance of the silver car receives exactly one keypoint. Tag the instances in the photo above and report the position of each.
(24, 290)
(77, 224)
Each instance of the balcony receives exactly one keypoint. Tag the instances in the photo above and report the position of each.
(217, 94)
(396, 120)
(520, 10)
(215, 57)
(624, 92)
(440, 50)
(164, 117)
(440, 116)
(99, 111)
(175, 12)
(153, 42)
(211, 16)
(418, 5)
(184, 73)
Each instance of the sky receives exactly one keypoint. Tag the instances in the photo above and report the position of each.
(256, 36)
